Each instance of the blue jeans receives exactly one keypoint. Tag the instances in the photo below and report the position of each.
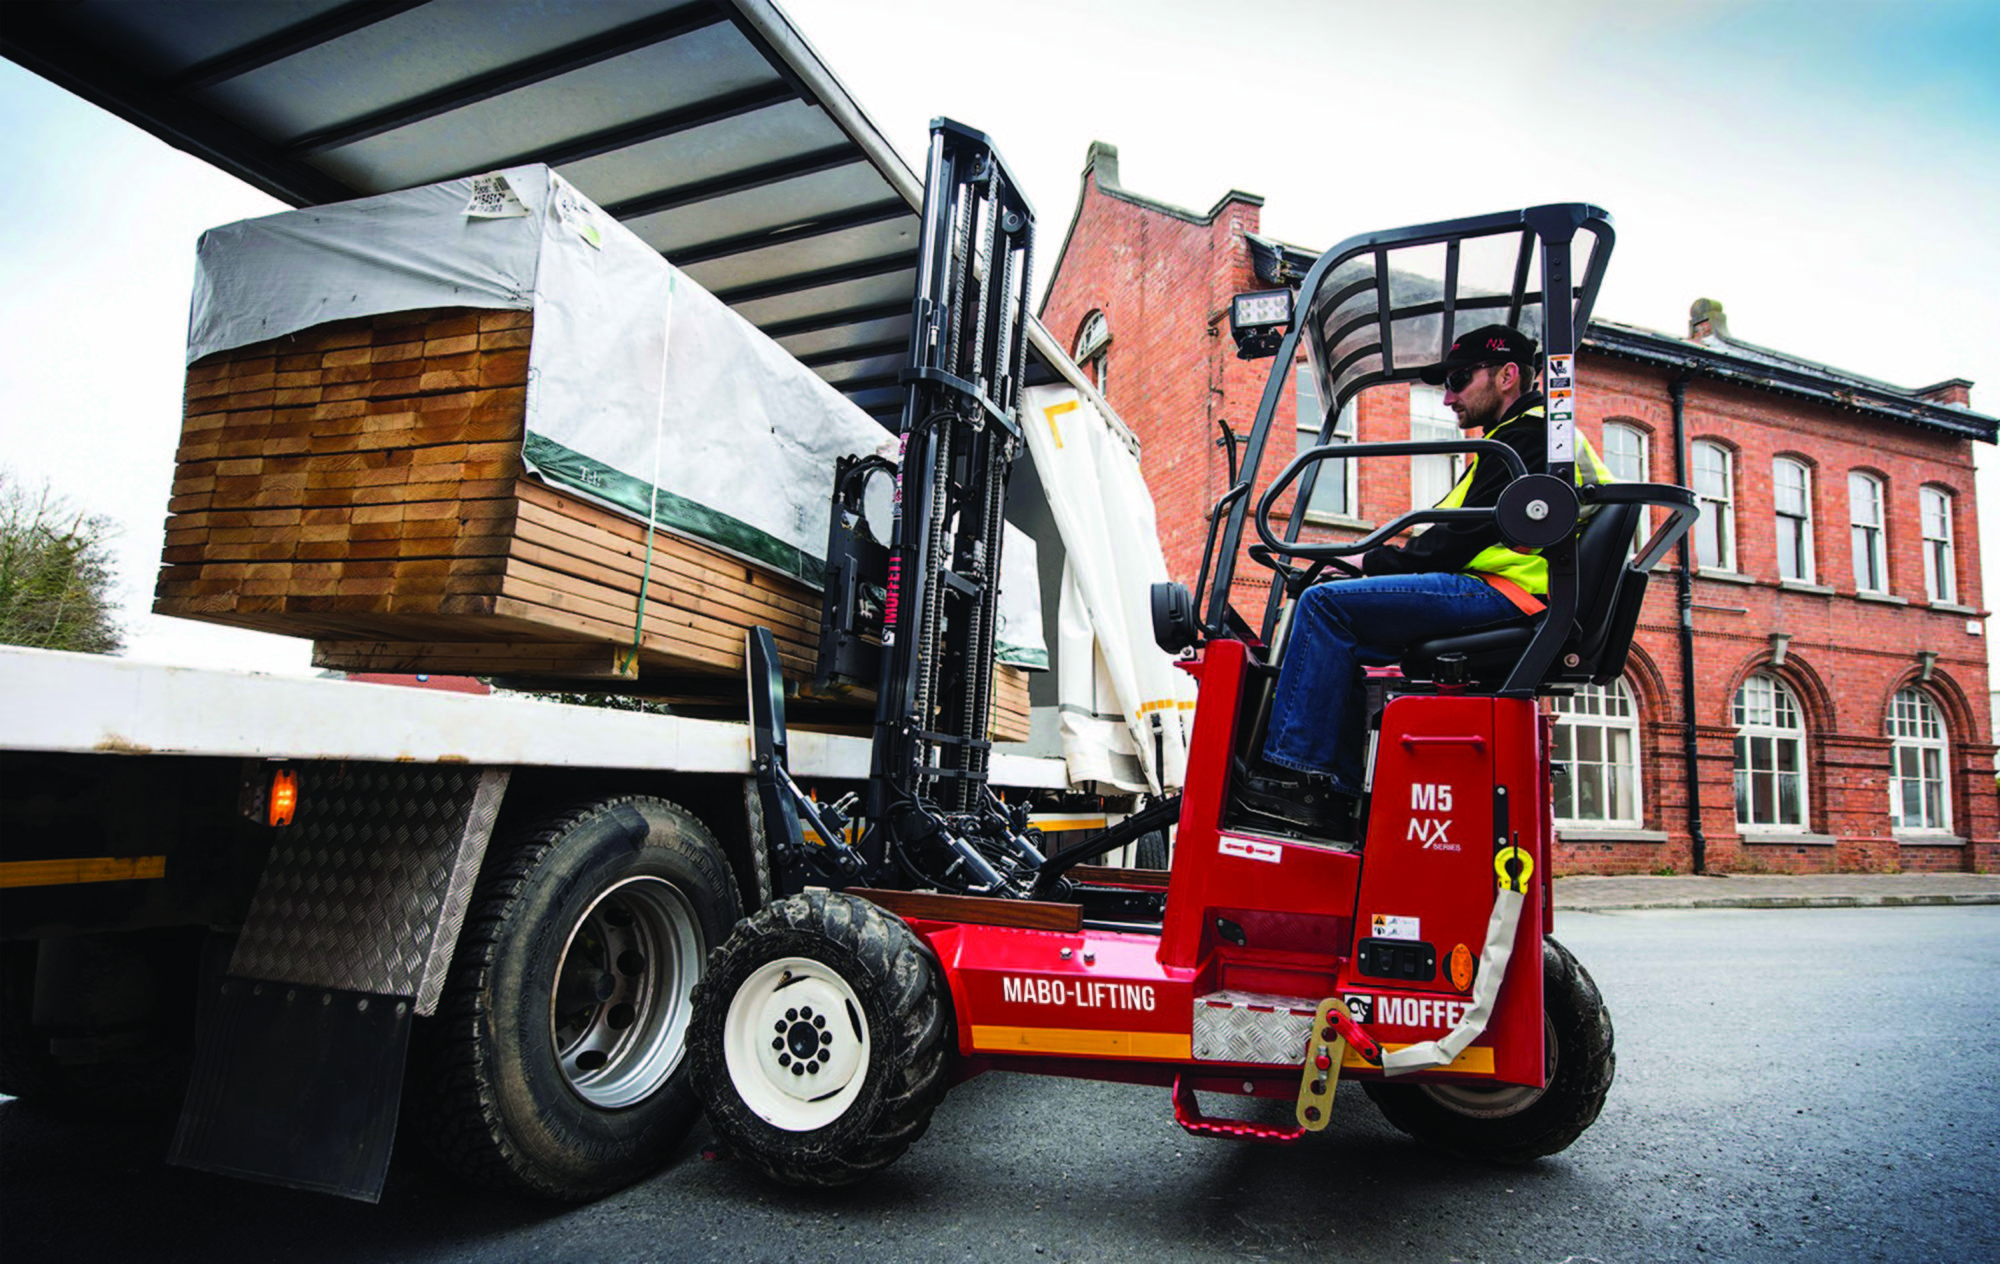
(1320, 710)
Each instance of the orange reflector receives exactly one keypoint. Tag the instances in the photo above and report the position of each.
(284, 796)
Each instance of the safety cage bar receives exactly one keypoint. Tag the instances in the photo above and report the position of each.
(1376, 313)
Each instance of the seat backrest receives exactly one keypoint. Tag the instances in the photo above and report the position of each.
(1602, 575)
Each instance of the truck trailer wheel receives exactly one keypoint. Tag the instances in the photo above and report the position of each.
(1510, 1124)
(555, 1063)
(820, 1034)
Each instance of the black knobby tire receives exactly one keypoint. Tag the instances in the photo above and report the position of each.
(1516, 1125)
(1151, 850)
(555, 1064)
(830, 1115)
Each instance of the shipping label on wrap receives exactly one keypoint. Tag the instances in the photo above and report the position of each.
(493, 198)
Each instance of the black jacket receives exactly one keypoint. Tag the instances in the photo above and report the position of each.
(1448, 546)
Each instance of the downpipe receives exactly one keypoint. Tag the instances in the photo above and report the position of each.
(1684, 603)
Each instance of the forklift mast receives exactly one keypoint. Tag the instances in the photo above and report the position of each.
(959, 437)
(914, 617)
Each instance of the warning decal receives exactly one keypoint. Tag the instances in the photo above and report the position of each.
(1389, 926)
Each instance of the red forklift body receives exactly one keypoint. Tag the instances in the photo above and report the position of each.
(1260, 928)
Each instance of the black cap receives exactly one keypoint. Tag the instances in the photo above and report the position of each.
(1489, 344)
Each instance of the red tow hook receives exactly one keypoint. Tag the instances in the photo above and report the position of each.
(1358, 1040)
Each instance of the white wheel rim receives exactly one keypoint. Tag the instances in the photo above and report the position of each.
(1498, 1101)
(796, 1044)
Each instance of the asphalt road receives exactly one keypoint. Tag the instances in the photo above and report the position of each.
(1792, 1084)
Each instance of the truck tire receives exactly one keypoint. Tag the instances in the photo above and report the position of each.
(820, 1035)
(555, 1062)
(1151, 850)
(1510, 1124)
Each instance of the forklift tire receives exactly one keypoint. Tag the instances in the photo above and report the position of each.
(1511, 1124)
(820, 1036)
(555, 1064)
(1151, 850)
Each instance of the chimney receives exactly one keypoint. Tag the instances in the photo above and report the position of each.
(1705, 320)
(1951, 391)
(1103, 161)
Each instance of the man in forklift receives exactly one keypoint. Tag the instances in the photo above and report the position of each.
(1451, 577)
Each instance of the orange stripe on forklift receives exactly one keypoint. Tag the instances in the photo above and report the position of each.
(1058, 824)
(1114, 1044)
(1476, 1060)
(62, 873)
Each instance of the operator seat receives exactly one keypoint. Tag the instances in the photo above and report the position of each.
(1609, 596)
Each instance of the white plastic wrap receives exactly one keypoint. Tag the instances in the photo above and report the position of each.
(645, 392)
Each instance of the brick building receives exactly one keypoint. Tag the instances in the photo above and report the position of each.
(1826, 697)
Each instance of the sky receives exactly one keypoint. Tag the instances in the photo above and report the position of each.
(1828, 170)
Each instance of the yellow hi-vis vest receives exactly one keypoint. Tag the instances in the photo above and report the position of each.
(1516, 572)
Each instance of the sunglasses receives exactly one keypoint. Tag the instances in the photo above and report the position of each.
(1458, 379)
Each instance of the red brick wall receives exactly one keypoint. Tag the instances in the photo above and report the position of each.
(1164, 282)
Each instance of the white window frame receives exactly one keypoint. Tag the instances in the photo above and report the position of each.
(1793, 519)
(1940, 559)
(1431, 421)
(1868, 531)
(1770, 724)
(1637, 470)
(1337, 481)
(1597, 738)
(1633, 464)
(1093, 351)
(1716, 531)
(1919, 765)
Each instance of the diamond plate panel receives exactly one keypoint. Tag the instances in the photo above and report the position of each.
(1248, 1027)
(367, 889)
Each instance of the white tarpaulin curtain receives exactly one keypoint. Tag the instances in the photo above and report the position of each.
(1126, 709)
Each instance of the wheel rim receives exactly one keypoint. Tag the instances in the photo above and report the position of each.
(1497, 1101)
(796, 1044)
(618, 1015)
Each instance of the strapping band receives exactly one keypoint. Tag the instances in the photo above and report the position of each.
(627, 661)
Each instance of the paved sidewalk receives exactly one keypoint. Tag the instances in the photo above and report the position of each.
(1836, 890)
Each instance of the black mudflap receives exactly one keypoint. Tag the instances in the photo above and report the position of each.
(297, 1086)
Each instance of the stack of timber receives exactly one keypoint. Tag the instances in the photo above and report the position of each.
(360, 483)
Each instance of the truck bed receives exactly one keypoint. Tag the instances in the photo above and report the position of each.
(91, 703)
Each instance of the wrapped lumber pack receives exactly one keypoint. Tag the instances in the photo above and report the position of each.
(481, 428)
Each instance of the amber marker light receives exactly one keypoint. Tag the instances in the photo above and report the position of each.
(284, 799)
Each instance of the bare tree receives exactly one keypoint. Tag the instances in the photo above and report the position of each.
(55, 573)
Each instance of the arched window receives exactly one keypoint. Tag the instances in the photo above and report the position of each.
(1940, 567)
(1597, 740)
(1093, 351)
(1919, 787)
(1868, 529)
(1715, 492)
(1791, 495)
(1628, 455)
(1770, 756)
(1626, 452)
